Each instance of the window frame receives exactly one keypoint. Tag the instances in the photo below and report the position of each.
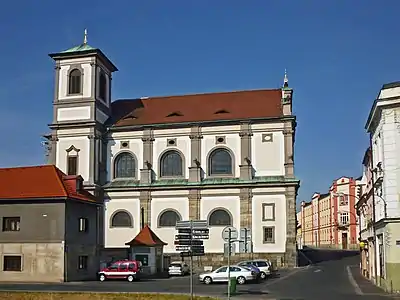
(119, 226)
(179, 218)
(117, 158)
(264, 217)
(83, 262)
(5, 269)
(215, 211)
(102, 86)
(266, 241)
(74, 157)
(79, 69)
(164, 155)
(83, 224)
(7, 221)
(210, 156)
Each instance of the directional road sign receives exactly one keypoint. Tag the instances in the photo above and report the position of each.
(233, 233)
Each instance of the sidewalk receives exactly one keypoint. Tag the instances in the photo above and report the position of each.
(366, 286)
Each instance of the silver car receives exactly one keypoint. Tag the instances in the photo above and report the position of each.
(241, 273)
(178, 268)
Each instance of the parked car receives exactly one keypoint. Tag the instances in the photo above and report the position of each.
(265, 266)
(241, 273)
(251, 266)
(178, 268)
(125, 269)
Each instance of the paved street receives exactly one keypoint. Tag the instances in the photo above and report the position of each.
(335, 279)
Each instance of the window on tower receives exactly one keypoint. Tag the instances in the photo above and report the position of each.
(72, 165)
(102, 86)
(75, 82)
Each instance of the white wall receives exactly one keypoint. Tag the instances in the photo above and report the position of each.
(182, 146)
(87, 77)
(129, 201)
(167, 234)
(208, 203)
(114, 148)
(279, 223)
(79, 142)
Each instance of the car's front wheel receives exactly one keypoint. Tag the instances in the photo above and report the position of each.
(207, 280)
(241, 280)
(130, 278)
(263, 275)
(102, 277)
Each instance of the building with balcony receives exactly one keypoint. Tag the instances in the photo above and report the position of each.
(329, 220)
(227, 158)
(383, 127)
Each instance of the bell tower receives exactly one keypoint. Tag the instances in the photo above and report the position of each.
(81, 107)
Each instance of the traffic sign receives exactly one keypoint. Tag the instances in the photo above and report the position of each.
(226, 249)
(196, 224)
(233, 233)
(188, 242)
(188, 254)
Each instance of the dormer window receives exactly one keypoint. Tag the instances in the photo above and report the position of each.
(75, 82)
(175, 114)
(102, 86)
(221, 111)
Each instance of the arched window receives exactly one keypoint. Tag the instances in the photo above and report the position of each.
(168, 218)
(171, 164)
(75, 82)
(102, 86)
(220, 162)
(124, 166)
(121, 219)
(220, 217)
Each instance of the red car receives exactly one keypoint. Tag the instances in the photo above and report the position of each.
(125, 269)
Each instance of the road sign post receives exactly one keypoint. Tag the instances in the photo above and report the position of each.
(229, 235)
(189, 242)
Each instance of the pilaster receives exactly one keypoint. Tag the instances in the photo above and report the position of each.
(195, 171)
(246, 169)
(291, 252)
(246, 210)
(92, 158)
(145, 202)
(288, 134)
(146, 173)
(194, 204)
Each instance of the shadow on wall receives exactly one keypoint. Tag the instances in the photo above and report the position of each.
(307, 256)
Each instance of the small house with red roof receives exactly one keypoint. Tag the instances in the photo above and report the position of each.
(147, 247)
(49, 226)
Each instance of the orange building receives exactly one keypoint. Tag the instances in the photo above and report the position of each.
(330, 220)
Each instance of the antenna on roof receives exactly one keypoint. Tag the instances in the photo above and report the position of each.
(85, 37)
(285, 80)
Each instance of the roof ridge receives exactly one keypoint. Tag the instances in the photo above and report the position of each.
(60, 179)
(26, 167)
(197, 94)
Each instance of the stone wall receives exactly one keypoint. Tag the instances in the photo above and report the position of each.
(216, 260)
(40, 262)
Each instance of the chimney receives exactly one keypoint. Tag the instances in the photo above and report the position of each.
(75, 182)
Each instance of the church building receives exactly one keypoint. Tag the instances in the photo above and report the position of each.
(227, 158)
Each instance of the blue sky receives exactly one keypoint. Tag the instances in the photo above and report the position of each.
(337, 53)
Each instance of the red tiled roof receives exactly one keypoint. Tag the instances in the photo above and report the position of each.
(146, 237)
(198, 107)
(39, 182)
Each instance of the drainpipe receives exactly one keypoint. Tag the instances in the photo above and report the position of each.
(142, 217)
(373, 211)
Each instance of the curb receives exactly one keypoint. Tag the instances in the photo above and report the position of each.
(125, 293)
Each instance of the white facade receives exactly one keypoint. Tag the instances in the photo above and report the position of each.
(384, 235)
(79, 132)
